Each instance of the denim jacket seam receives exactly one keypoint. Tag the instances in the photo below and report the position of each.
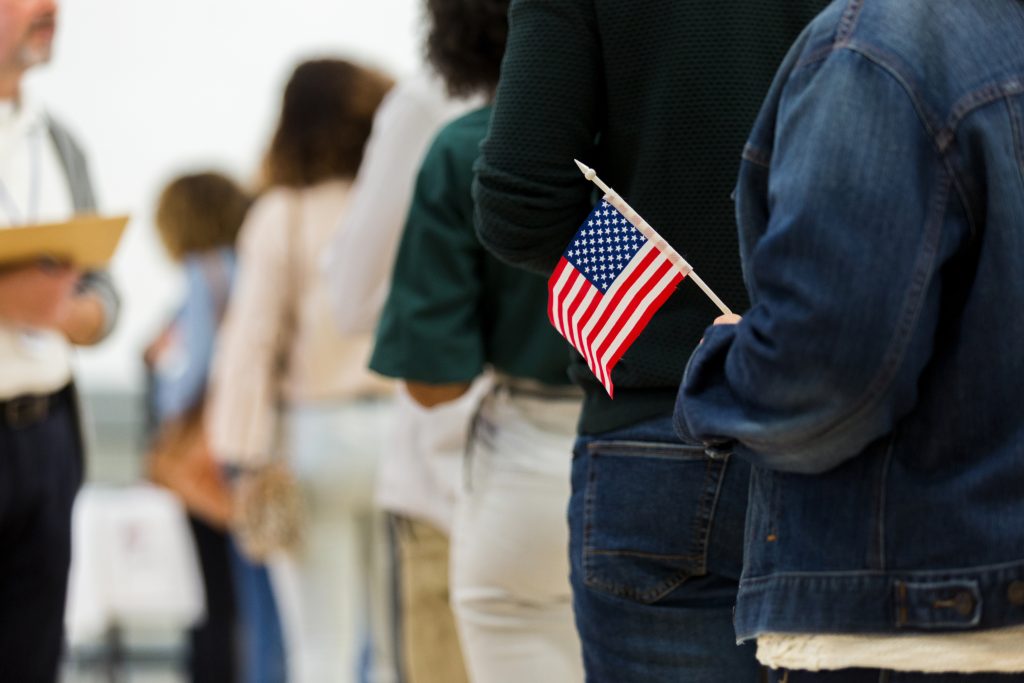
(944, 574)
(943, 134)
(816, 57)
(882, 501)
(961, 109)
(1017, 126)
(756, 155)
(848, 20)
(940, 134)
(978, 98)
(760, 156)
(888, 63)
(844, 30)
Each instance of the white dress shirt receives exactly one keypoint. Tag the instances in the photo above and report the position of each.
(33, 189)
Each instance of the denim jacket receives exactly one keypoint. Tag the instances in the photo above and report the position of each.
(877, 382)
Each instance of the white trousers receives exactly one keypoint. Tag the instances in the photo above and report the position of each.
(334, 592)
(509, 547)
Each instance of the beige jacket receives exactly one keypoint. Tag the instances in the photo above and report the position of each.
(279, 310)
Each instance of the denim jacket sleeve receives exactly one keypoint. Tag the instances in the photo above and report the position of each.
(842, 204)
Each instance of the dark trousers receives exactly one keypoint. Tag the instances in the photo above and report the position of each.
(876, 676)
(40, 472)
(214, 642)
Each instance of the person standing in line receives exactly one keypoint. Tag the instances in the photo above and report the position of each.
(876, 381)
(657, 96)
(420, 472)
(454, 312)
(198, 217)
(45, 309)
(284, 378)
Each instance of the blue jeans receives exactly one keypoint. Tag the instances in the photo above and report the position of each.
(656, 540)
(263, 654)
(876, 676)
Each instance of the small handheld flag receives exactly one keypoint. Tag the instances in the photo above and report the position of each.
(611, 280)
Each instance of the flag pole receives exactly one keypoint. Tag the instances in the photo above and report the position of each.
(650, 233)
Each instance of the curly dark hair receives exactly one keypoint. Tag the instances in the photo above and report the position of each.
(200, 211)
(326, 117)
(465, 43)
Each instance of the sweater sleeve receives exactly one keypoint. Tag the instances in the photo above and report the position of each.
(244, 382)
(529, 194)
(430, 329)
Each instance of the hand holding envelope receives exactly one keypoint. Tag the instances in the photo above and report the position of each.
(37, 296)
(86, 242)
(40, 267)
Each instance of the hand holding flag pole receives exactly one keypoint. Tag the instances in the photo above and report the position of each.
(651, 234)
(614, 275)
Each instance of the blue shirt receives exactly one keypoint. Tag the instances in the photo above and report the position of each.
(179, 381)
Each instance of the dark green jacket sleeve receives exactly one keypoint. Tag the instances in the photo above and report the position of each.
(430, 329)
(530, 197)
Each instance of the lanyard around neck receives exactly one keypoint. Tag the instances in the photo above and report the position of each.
(10, 206)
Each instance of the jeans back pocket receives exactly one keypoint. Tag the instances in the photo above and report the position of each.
(647, 516)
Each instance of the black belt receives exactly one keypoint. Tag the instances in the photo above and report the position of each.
(25, 411)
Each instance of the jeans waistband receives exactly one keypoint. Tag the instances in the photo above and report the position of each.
(530, 388)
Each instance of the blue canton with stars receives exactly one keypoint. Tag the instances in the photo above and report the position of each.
(604, 246)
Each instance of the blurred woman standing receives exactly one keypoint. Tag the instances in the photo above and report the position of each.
(198, 217)
(286, 382)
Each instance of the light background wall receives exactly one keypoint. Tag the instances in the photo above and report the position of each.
(156, 87)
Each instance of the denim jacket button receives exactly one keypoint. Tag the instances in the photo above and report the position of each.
(1016, 593)
(717, 450)
(963, 603)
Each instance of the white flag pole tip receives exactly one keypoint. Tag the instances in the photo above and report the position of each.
(586, 170)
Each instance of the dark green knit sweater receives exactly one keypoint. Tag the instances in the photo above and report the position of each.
(658, 96)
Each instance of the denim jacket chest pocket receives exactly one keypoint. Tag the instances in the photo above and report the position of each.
(640, 553)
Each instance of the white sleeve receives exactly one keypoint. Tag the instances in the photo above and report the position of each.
(245, 384)
(362, 251)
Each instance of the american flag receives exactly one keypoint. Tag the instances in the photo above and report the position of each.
(608, 284)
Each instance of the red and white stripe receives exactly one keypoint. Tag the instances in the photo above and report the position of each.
(602, 326)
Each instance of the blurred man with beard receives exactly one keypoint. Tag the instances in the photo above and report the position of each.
(45, 308)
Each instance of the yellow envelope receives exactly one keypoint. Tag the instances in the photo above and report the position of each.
(87, 242)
